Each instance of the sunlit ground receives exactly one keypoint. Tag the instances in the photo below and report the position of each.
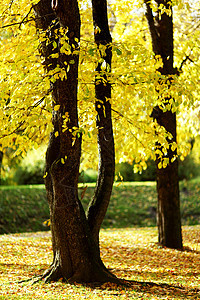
(132, 254)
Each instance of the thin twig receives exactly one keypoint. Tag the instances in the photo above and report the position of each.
(25, 17)
(29, 108)
(9, 7)
(24, 21)
(121, 115)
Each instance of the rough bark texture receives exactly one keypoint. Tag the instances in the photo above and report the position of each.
(75, 254)
(106, 170)
(169, 220)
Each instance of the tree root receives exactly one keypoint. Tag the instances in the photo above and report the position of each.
(94, 278)
(52, 274)
(93, 274)
(35, 279)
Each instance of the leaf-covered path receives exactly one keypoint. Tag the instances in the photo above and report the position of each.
(132, 254)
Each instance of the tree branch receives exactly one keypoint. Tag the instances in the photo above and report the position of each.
(184, 62)
(9, 7)
(26, 17)
(152, 27)
(24, 21)
(29, 109)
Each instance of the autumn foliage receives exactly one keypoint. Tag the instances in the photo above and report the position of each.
(25, 94)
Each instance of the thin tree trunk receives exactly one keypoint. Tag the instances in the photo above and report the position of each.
(76, 256)
(169, 220)
(106, 170)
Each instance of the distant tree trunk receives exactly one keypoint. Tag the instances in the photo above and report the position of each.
(106, 170)
(76, 256)
(1, 159)
(169, 220)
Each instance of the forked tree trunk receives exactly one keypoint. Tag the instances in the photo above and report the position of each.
(169, 220)
(106, 170)
(76, 256)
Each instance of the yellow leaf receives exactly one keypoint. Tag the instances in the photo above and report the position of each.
(47, 222)
(55, 55)
(173, 159)
(56, 107)
(165, 162)
(56, 134)
(45, 175)
(174, 146)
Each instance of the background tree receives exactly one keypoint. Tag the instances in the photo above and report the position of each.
(1, 159)
(169, 220)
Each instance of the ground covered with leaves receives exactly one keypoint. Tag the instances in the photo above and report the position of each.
(133, 254)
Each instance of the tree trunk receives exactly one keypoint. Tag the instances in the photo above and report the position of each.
(169, 220)
(75, 254)
(106, 170)
(1, 159)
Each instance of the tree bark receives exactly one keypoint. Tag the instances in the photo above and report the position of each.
(169, 220)
(1, 159)
(106, 170)
(75, 254)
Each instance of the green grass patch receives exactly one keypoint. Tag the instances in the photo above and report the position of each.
(25, 208)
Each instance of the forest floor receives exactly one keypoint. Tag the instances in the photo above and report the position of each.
(131, 253)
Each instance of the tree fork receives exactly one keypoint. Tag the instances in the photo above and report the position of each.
(76, 256)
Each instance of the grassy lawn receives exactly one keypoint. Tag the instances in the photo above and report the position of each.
(131, 253)
(25, 208)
